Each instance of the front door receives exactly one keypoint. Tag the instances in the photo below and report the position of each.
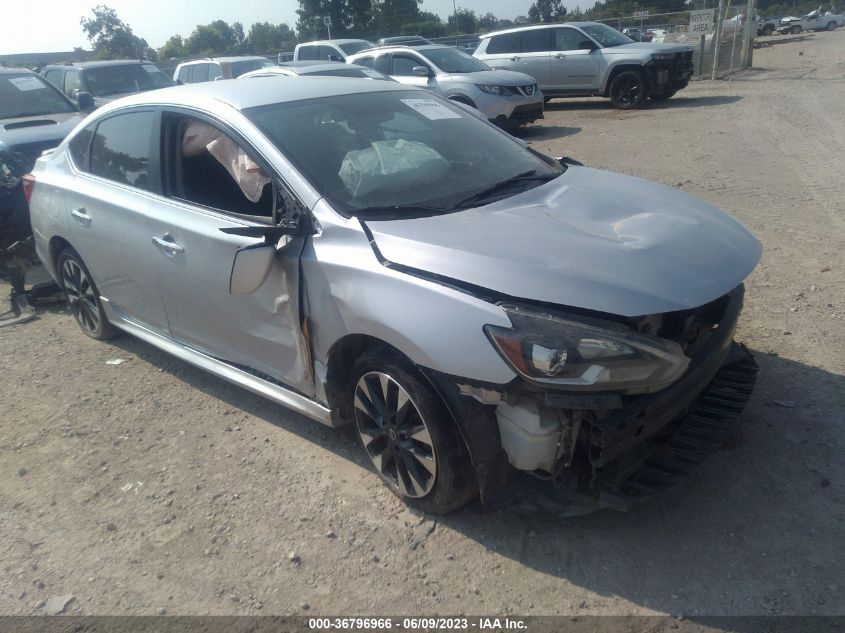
(402, 71)
(574, 67)
(260, 331)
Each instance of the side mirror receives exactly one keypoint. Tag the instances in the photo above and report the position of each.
(334, 58)
(84, 101)
(587, 44)
(252, 263)
(420, 71)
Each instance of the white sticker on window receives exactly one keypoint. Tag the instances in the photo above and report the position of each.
(27, 83)
(149, 69)
(430, 109)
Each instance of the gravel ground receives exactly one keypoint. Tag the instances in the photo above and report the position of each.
(150, 487)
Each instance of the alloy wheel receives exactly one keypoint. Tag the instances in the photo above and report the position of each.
(395, 435)
(80, 296)
(628, 91)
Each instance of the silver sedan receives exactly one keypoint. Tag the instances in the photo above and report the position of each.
(365, 252)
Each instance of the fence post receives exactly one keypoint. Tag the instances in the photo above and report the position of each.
(701, 57)
(751, 10)
(718, 37)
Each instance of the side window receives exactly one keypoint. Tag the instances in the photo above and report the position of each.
(120, 150)
(535, 41)
(568, 39)
(54, 77)
(327, 53)
(72, 82)
(207, 167)
(80, 147)
(213, 71)
(309, 52)
(403, 65)
(383, 64)
(184, 74)
(501, 44)
(369, 62)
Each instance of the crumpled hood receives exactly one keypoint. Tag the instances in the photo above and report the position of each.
(495, 77)
(589, 239)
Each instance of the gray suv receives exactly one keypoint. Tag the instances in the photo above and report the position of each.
(590, 59)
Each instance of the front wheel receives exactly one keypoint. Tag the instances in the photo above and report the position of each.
(82, 296)
(795, 30)
(409, 435)
(831, 26)
(768, 29)
(628, 90)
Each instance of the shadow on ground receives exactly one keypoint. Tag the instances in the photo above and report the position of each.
(710, 546)
(679, 101)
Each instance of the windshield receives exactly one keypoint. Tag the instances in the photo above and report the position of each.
(350, 48)
(114, 80)
(398, 152)
(450, 60)
(29, 95)
(605, 35)
(248, 65)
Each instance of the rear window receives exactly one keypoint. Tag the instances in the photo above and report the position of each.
(535, 41)
(120, 150)
(308, 52)
(247, 65)
(113, 80)
(501, 44)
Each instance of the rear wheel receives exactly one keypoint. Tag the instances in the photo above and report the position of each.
(83, 299)
(831, 26)
(768, 29)
(409, 435)
(628, 90)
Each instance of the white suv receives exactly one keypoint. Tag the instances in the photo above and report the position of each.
(211, 68)
(505, 97)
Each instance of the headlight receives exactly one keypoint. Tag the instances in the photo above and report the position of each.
(8, 179)
(502, 91)
(585, 355)
(663, 56)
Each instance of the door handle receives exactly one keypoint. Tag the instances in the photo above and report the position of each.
(514, 58)
(560, 56)
(81, 215)
(166, 243)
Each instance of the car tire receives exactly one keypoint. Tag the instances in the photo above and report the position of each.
(82, 296)
(768, 29)
(409, 434)
(795, 30)
(831, 26)
(663, 96)
(628, 90)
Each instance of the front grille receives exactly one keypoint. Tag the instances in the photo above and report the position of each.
(527, 91)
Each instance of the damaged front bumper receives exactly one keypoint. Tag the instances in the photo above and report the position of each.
(611, 450)
(668, 76)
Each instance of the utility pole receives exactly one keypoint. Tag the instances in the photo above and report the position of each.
(455, 6)
(717, 35)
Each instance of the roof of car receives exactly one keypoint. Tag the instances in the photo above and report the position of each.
(399, 47)
(100, 64)
(347, 41)
(537, 26)
(309, 62)
(271, 90)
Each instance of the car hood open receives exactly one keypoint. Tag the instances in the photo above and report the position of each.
(589, 239)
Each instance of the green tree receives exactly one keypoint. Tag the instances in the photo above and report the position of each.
(464, 21)
(111, 38)
(390, 15)
(546, 11)
(347, 16)
(173, 48)
(217, 38)
(270, 38)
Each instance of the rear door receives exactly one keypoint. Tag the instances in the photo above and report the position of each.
(193, 257)
(573, 67)
(117, 170)
(534, 56)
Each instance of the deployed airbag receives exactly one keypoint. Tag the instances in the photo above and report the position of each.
(391, 165)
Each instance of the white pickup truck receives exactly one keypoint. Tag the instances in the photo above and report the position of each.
(813, 21)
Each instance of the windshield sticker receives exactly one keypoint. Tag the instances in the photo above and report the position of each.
(430, 109)
(149, 69)
(26, 83)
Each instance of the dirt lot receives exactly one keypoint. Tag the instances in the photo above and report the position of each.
(150, 487)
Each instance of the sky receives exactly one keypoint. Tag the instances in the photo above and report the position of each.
(56, 27)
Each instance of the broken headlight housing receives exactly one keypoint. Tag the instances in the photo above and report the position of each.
(584, 354)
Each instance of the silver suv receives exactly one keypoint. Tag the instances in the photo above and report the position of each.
(507, 98)
(369, 253)
(213, 68)
(579, 59)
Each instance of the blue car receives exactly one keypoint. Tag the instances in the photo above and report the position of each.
(34, 116)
